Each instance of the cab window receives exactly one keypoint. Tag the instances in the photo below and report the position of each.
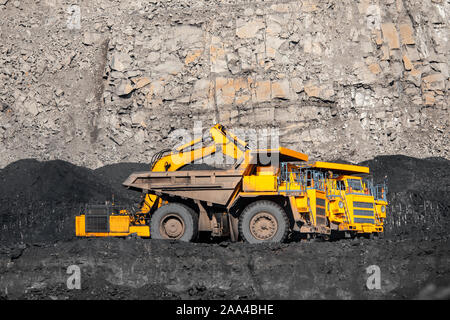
(355, 184)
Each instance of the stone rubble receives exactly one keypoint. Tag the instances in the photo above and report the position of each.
(346, 79)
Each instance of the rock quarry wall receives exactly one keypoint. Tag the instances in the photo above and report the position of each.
(105, 81)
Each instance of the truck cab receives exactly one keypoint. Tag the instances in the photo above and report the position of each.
(359, 209)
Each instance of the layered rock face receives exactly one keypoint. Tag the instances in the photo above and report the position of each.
(105, 81)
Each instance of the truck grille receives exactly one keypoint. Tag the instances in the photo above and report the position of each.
(363, 220)
(358, 204)
(368, 213)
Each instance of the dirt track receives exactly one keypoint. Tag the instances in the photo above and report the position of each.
(40, 199)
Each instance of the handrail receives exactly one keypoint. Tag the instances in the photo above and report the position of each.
(344, 200)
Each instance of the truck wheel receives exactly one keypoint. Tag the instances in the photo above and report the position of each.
(174, 221)
(263, 221)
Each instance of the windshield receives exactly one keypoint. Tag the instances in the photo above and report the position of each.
(355, 184)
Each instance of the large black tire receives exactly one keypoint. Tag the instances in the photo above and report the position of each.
(263, 221)
(168, 219)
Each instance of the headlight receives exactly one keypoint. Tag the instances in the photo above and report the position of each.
(341, 204)
(383, 209)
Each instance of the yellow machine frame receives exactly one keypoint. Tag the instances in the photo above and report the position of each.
(317, 194)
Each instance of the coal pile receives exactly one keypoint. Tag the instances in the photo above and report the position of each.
(39, 200)
(115, 174)
(418, 194)
(155, 269)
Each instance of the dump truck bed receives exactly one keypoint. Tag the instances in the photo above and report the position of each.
(215, 186)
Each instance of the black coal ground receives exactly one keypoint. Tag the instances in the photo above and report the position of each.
(40, 199)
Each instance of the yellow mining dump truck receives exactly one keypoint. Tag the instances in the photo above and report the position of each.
(266, 195)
